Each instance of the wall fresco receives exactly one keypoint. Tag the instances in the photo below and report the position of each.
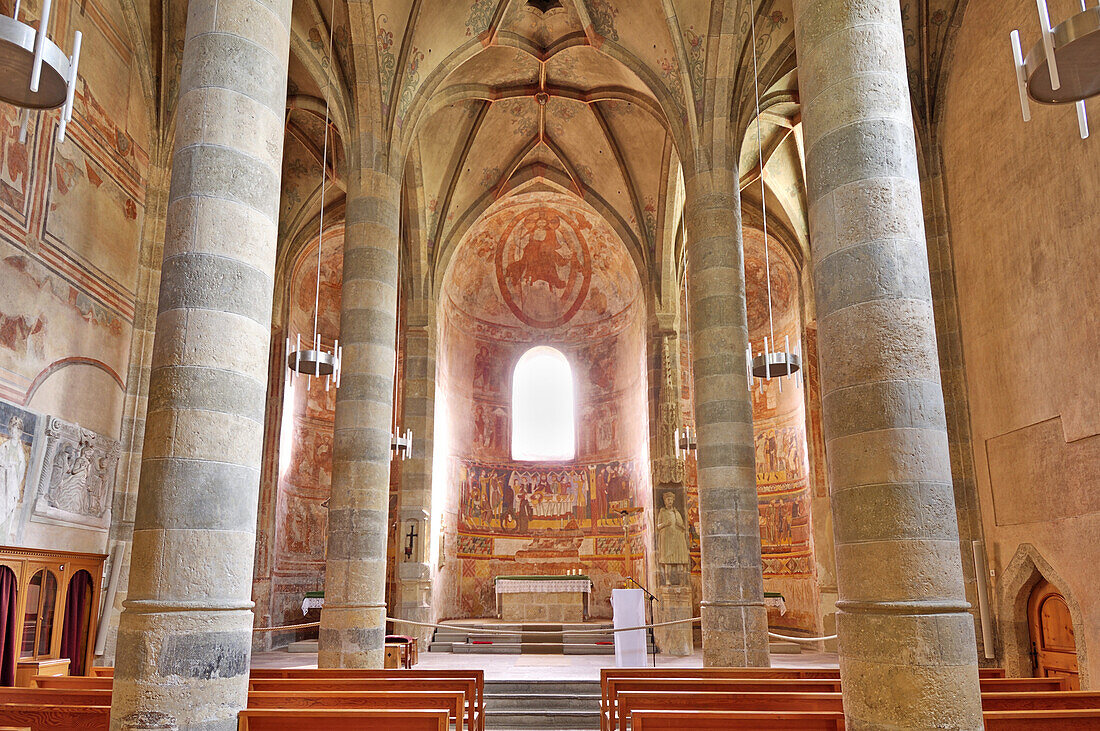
(783, 480)
(541, 269)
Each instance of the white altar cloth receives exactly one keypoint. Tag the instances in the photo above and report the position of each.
(629, 611)
(521, 586)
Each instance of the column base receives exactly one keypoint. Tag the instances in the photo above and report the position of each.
(735, 634)
(352, 636)
(181, 669)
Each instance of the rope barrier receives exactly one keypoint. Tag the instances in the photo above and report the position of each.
(286, 627)
(491, 631)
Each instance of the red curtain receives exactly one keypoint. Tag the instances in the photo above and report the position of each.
(74, 633)
(9, 626)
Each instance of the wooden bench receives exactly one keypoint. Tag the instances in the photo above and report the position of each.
(454, 703)
(680, 720)
(633, 701)
(38, 717)
(391, 683)
(1055, 720)
(614, 686)
(739, 672)
(341, 719)
(477, 676)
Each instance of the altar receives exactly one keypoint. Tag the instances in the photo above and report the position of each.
(555, 599)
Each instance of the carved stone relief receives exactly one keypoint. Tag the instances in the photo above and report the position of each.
(78, 475)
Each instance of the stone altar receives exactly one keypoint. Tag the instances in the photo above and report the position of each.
(556, 599)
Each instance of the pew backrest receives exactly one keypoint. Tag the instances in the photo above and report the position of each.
(477, 676)
(73, 682)
(1076, 719)
(56, 697)
(630, 702)
(1022, 685)
(341, 719)
(40, 717)
(300, 686)
(454, 703)
(1040, 700)
(680, 720)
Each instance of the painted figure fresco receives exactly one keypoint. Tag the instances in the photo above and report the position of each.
(14, 455)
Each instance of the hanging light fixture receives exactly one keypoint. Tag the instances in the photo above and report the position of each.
(1064, 66)
(769, 363)
(402, 444)
(35, 74)
(686, 442)
(316, 360)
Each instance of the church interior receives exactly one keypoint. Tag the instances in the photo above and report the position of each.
(430, 364)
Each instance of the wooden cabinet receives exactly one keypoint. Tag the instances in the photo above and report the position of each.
(45, 580)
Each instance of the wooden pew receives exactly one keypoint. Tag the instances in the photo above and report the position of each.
(103, 671)
(454, 703)
(397, 682)
(1055, 720)
(614, 686)
(680, 720)
(478, 676)
(1042, 700)
(60, 718)
(739, 672)
(632, 701)
(73, 682)
(341, 719)
(609, 717)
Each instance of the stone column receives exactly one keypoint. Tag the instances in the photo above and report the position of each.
(352, 633)
(907, 653)
(735, 622)
(186, 629)
(414, 501)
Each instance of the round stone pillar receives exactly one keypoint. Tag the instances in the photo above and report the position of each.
(353, 629)
(185, 633)
(735, 622)
(907, 653)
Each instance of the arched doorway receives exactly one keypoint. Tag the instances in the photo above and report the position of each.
(1054, 649)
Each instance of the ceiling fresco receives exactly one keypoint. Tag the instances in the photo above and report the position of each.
(541, 264)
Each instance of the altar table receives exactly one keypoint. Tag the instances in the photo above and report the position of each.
(552, 599)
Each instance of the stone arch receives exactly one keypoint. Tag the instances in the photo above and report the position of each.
(1026, 569)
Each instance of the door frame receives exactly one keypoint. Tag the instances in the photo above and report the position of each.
(1019, 578)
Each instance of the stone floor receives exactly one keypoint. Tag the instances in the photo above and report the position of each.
(539, 667)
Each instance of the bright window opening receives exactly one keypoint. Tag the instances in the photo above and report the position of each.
(542, 407)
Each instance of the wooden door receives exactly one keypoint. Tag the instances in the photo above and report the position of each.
(1054, 650)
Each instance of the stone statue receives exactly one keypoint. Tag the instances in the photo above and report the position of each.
(672, 542)
(13, 468)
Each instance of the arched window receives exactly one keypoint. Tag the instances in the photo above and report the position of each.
(542, 407)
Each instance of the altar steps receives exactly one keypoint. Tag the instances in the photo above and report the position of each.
(536, 704)
(520, 639)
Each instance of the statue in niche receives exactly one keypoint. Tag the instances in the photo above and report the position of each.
(13, 468)
(672, 542)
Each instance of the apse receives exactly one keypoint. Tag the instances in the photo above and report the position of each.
(542, 397)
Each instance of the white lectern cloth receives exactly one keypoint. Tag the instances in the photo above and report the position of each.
(628, 610)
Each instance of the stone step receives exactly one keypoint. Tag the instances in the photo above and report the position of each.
(543, 701)
(554, 719)
(542, 704)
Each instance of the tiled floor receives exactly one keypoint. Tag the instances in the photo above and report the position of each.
(538, 667)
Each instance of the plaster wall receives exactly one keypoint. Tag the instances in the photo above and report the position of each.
(1023, 232)
(71, 219)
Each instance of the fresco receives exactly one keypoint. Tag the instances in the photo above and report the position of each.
(17, 429)
(71, 219)
(542, 269)
(783, 480)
